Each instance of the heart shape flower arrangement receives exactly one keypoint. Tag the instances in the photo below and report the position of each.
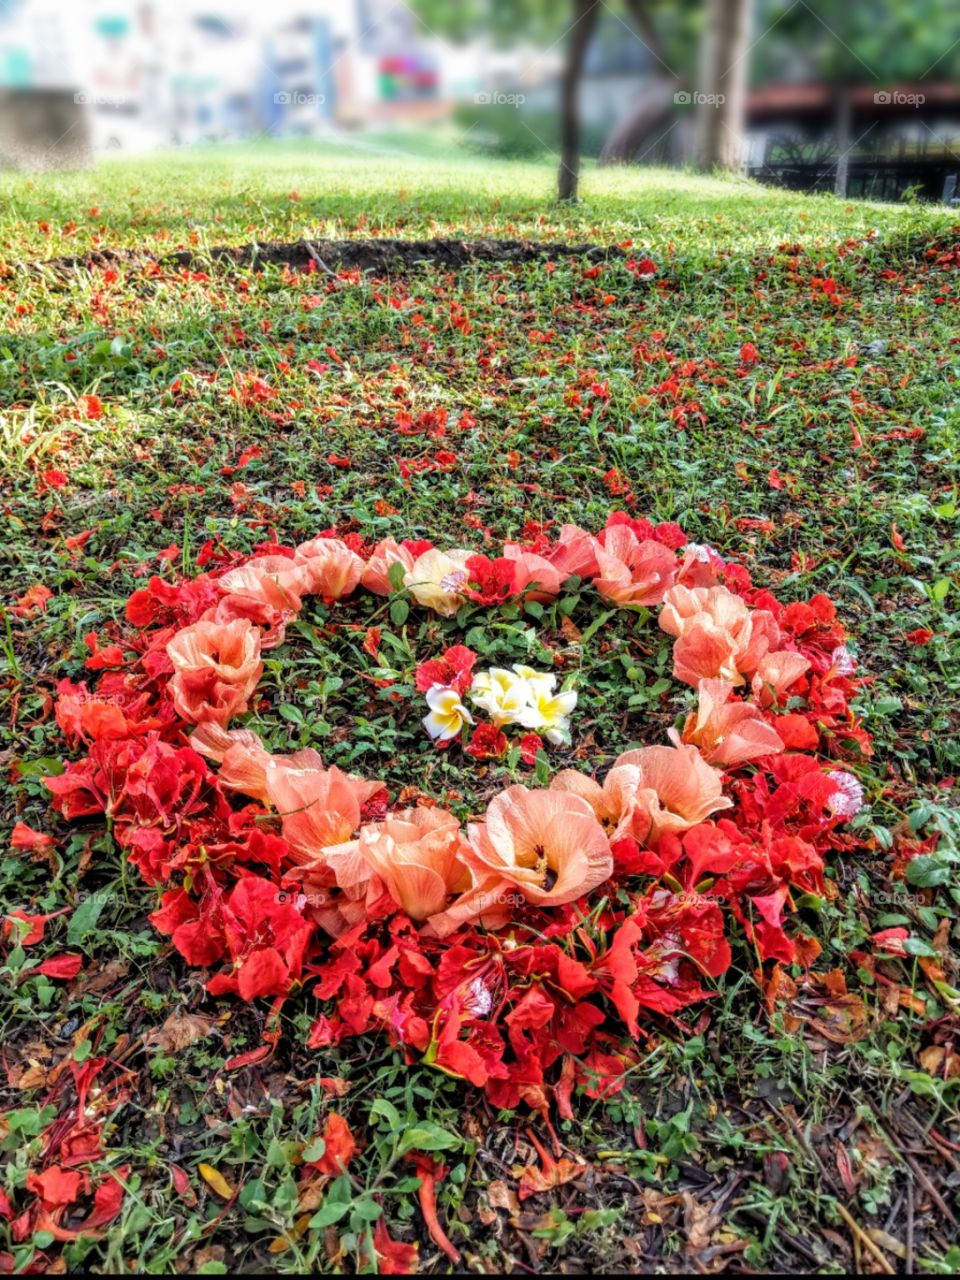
(527, 950)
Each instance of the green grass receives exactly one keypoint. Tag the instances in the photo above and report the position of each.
(395, 185)
(588, 379)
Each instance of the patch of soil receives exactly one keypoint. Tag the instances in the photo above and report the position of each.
(377, 256)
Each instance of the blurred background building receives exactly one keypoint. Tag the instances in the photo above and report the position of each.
(861, 98)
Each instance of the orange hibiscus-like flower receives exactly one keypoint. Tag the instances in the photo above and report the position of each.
(376, 573)
(216, 668)
(575, 552)
(533, 577)
(267, 589)
(615, 803)
(718, 635)
(543, 846)
(632, 570)
(548, 844)
(678, 788)
(329, 567)
(729, 733)
(418, 855)
(775, 673)
(318, 807)
(245, 763)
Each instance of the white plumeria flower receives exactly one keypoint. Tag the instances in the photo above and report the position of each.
(544, 679)
(504, 696)
(447, 715)
(549, 712)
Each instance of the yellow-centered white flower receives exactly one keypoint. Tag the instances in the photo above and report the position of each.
(526, 697)
(447, 714)
(502, 694)
(549, 712)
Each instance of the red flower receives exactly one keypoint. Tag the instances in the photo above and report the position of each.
(920, 636)
(32, 601)
(340, 1146)
(530, 744)
(487, 742)
(24, 838)
(491, 581)
(393, 1257)
(454, 670)
(90, 407)
(266, 936)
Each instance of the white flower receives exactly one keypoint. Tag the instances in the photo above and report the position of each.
(447, 715)
(526, 697)
(549, 712)
(700, 551)
(504, 696)
(544, 678)
(847, 800)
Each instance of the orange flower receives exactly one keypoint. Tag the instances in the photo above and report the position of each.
(318, 807)
(700, 566)
(330, 568)
(245, 763)
(417, 853)
(615, 803)
(575, 552)
(242, 757)
(728, 733)
(718, 635)
(682, 604)
(216, 668)
(531, 568)
(376, 574)
(679, 789)
(633, 571)
(775, 673)
(548, 844)
(266, 589)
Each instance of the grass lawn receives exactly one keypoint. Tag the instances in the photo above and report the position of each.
(147, 409)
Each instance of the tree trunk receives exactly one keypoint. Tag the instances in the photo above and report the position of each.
(645, 114)
(720, 96)
(585, 14)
